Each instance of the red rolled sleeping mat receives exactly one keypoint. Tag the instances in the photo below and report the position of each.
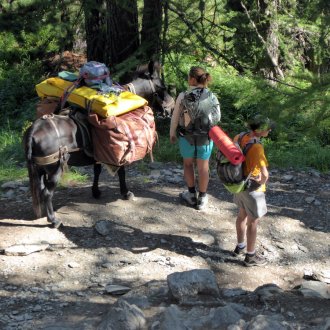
(226, 145)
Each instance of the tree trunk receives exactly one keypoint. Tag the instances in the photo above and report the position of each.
(94, 26)
(269, 37)
(122, 33)
(272, 40)
(66, 39)
(151, 29)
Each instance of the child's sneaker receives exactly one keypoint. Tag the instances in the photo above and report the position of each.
(202, 202)
(239, 251)
(254, 260)
(189, 198)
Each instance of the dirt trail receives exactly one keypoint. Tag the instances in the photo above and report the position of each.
(151, 237)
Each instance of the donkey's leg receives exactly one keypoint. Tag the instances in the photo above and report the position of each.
(122, 183)
(50, 182)
(95, 188)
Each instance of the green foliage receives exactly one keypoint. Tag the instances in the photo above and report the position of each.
(30, 31)
(300, 156)
(11, 156)
(9, 172)
(17, 93)
(164, 151)
(72, 177)
(299, 105)
(12, 162)
(218, 36)
(35, 28)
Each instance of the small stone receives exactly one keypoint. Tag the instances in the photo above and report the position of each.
(37, 308)
(73, 264)
(300, 191)
(309, 200)
(103, 227)
(10, 185)
(280, 246)
(117, 289)
(106, 265)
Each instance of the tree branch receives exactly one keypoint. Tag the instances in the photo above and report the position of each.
(286, 84)
(200, 38)
(272, 58)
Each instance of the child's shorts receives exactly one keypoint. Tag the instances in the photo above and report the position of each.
(253, 202)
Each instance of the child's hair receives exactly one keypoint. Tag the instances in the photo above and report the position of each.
(201, 76)
(260, 123)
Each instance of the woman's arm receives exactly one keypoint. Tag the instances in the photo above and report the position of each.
(216, 112)
(175, 118)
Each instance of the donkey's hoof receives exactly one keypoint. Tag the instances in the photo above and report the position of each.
(128, 196)
(56, 224)
(96, 193)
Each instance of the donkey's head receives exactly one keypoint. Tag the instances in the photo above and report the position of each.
(147, 83)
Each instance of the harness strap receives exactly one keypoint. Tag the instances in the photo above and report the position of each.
(85, 76)
(69, 90)
(50, 117)
(152, 86)
(55, 157)
(82, 126)
(148, 133)
(131, 141)
(131, 88)
(149, 139)
(58, 155)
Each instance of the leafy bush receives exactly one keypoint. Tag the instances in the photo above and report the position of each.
(17, 93)
(298, 156)
(11, 156)
(164, 151)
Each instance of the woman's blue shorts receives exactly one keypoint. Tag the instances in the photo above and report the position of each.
(190, 151)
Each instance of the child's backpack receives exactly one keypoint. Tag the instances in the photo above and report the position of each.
(199, 107)
(232, 175)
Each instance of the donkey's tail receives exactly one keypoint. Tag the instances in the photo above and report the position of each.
(34, 173)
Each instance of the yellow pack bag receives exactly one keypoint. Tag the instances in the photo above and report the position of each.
(84, 96)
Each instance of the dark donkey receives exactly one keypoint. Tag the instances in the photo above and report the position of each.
(52, 143)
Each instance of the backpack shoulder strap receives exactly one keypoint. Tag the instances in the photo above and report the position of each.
(240, 137)
(249, 144)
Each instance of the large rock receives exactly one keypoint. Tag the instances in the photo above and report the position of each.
(315, 289)
(198, 318)
(267, 322)
(123, 316)
(188, 285)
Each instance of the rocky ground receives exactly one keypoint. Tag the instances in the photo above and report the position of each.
(154, 263)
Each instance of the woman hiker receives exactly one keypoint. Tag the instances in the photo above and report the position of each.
(195, 112)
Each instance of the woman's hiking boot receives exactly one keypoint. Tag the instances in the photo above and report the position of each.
(202, 202)
(189, 198)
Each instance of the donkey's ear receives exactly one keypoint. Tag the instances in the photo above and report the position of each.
(151, 67)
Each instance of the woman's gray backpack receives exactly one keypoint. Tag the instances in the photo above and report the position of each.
(201, 111)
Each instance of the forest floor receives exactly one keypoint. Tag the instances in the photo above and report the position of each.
(60, 278)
